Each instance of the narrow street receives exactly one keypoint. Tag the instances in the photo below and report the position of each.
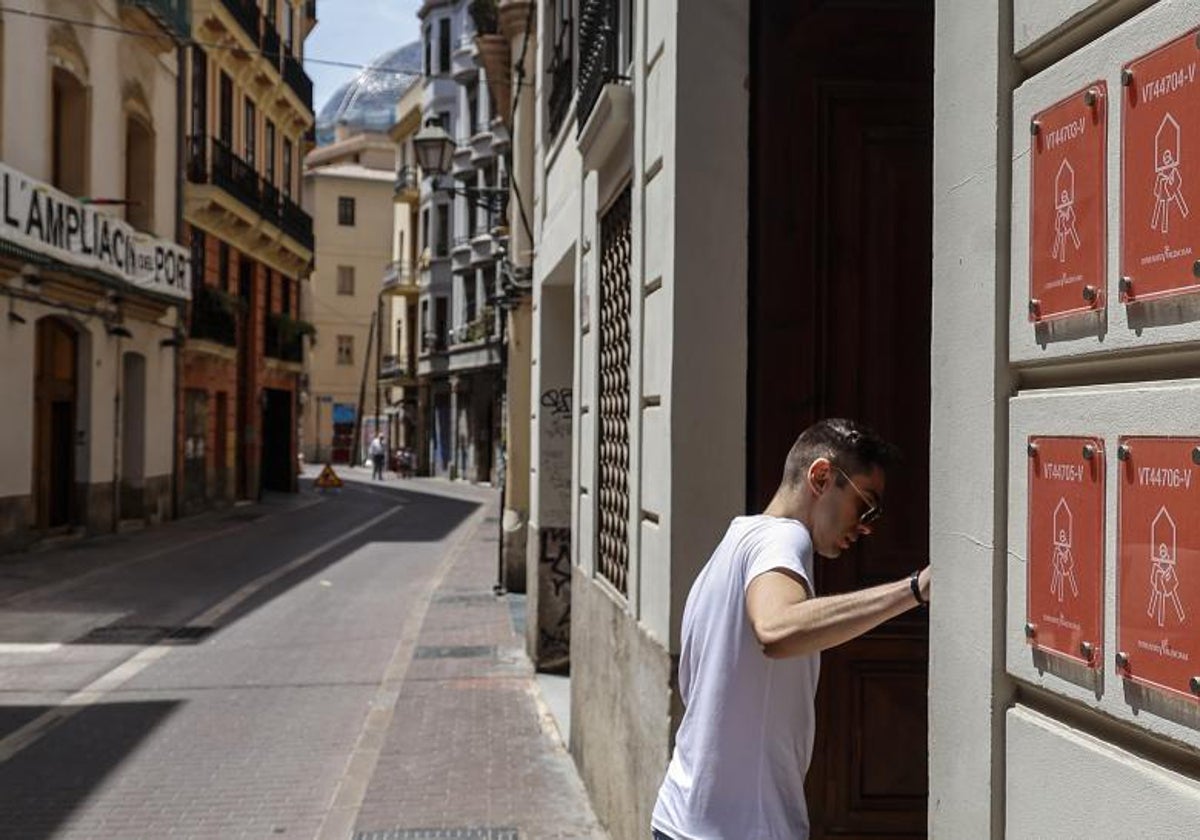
(312, 666)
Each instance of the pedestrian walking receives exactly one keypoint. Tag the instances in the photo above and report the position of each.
(376, 451)
(753, 630)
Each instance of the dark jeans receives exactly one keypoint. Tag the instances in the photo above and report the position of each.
(377, 462)
(658, 835)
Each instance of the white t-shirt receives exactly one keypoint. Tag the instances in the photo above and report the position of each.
(746, 737)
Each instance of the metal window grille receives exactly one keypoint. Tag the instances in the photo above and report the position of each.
(615, 299)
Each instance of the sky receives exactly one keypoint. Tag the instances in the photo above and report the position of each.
(355, 31)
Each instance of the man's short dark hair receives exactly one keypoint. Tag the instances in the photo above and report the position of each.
(848, 444)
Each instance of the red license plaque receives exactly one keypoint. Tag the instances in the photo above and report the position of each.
(1065, 577)
(1160, 172)
(1158, 562)
(1068, 205)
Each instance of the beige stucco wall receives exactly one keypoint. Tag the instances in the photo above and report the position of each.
(367, 247)
(114, 64)
(1056, 750)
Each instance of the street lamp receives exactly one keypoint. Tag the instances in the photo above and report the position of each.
(434, 148)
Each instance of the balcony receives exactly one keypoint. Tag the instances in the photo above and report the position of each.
(283, 338)
(245, 12)
(214, 315)
(295, 78)
(296, 223)
(462, 61)
(599, 21)
(211, 161)
(172, 16)
(432, 342)
(460, 165)
(481, 147)
(408, 187)
(399, 278)
(272, 46)
(397, 369)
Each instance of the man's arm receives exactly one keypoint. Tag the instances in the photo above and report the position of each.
(790, 622)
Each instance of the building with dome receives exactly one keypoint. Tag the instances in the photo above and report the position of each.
(368, 101)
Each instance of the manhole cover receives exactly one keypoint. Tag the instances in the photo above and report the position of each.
(439, 834)
(455, 652)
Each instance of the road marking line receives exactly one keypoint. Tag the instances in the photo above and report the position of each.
(29, 647)
(347, 801)
(118, 676)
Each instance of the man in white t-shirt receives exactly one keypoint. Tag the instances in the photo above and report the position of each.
(753, 630)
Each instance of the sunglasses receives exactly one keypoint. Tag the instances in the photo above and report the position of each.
(874, 509)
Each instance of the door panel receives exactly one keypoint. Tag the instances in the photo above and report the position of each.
(841, 185)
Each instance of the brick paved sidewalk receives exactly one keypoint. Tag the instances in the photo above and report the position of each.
(472, 752)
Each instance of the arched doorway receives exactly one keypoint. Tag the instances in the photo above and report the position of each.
(56, 385)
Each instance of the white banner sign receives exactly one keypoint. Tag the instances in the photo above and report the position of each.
(41, 218)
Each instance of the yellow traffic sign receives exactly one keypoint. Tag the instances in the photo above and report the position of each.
(328, 479)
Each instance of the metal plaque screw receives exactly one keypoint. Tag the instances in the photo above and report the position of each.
(1086, 650)
(1089, 97)
(1196, 455)
(1089, 451)
(1126, 77)
(1089, 293)
(1030, 630)
(1034, 306)
(1198, 42)
(1034, 127)
(1194, 685)
(1031, 449)
(1196, 268)
(1123, 661)
(1122, 452)
(1126, 286)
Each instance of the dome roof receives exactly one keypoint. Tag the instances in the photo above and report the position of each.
(368, 101)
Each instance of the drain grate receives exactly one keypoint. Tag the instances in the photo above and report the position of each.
(439, 834)
(455, 652)
(142, 634)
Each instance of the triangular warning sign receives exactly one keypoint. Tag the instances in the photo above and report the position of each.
(328, 479)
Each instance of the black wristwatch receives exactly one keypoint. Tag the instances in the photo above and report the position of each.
(914, 583)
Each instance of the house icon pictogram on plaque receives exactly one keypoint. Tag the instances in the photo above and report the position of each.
(1162, 538)
(1063, 561)
(1064, 185)
(1166, 144)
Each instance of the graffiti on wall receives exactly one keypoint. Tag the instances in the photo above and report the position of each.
(555, 456)
(554, 597)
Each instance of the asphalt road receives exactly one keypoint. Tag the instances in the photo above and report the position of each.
(213, 677)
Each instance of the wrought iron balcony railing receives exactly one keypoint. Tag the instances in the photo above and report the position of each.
(245, 12)
(211, 161)
(295, 78)
(599, 22)
(395, 366)
(214, 315)
(406, 179)
(296, 223)
(272, 46)
(399, 274)
(172, 15)
(282, 338)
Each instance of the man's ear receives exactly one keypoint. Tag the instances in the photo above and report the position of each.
(818, 475)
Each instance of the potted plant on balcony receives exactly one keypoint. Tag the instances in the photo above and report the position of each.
(494, 55)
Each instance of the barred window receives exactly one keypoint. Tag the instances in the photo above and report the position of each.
(345, 280)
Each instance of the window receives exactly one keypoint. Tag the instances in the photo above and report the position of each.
(226, 110)
(425, 229)
(198, 256)
(473, 106)
(199, 92)
(69, 133)
(269, 153)
(289, 27)
(345, 349)
(443, 230)
(287, 167)
(468, 287)
(444, 45)
(428, 50)
(424, 320)
(249, 120)
(346, 210)
(442, 318)
(139, 178)
(443, 119)
(285, 295)
(223, 264)
(269, 283)
(345, 280)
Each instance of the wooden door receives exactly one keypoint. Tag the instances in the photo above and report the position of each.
(841, 185)
(56, 387)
